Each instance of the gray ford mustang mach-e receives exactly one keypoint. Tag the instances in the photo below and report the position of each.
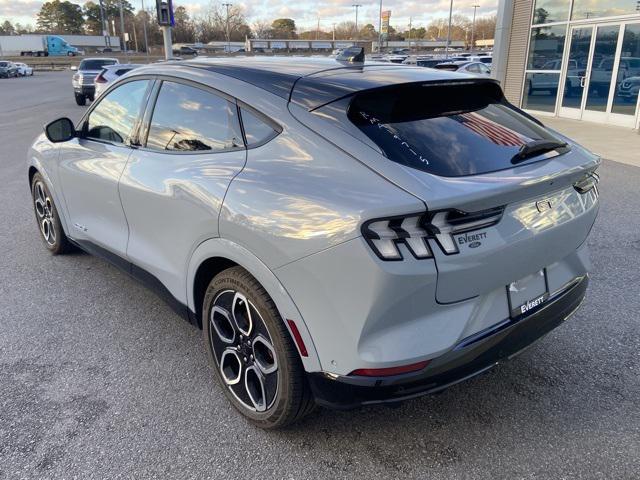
(343, 233)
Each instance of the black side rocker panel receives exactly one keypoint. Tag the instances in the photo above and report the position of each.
(143, 276)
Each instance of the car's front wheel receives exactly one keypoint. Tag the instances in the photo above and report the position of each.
(253, 356)
(81, 100)
(47, 217)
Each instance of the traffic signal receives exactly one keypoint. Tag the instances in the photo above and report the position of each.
(165, 13)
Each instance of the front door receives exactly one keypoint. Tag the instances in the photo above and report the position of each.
(602, 74)
(90, 168)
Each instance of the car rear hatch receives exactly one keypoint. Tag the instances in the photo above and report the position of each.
(506, 198)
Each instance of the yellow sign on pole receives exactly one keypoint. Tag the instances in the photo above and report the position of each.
(386, 16)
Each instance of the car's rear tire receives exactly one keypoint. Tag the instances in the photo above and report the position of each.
(49, 224)
(81, 100)
(253, 356)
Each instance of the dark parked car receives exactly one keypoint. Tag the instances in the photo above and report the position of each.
(185, 51)
(8, 69)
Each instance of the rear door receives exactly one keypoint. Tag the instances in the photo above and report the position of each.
(174, 183)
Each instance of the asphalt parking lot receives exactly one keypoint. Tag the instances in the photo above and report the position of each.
(100, 379)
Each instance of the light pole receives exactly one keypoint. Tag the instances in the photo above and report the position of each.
(105, 32)
(356, 6)
(380, 29)
(124, 42)
(144, 29)
(446, 48)
(334, 33)
(228, 36)
(473, 27)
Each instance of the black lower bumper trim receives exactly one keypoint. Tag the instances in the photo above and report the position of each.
(461, 363)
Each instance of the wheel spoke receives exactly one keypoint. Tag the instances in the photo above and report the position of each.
(241, 314)
(39, 207)
(230, 366)
(223, 325)
(264, 355)
(255, 388)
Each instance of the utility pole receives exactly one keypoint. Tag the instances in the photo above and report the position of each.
(446, 48)
(334, 33)
(380, 29)
(144, 29)
(318, 29)
(103, 23)
(473, 28)
(409, 33)
(124, 42)
(357, 6)
(228, 36)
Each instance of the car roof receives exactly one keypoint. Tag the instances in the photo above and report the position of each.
(309, 82)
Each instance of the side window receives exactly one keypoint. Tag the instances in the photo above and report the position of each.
(484, 69)
(187, 118)
(113, 119)
(473, 68)
(255, 129)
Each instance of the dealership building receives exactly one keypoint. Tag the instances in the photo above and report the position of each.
(576, 59)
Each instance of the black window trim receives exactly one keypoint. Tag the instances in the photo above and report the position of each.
(143, 132)
(276, 127)
(82, 125)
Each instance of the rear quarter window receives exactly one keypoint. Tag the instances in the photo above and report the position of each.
(257, 130)
(447, 130)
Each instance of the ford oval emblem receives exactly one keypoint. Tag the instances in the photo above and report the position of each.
(474, 244)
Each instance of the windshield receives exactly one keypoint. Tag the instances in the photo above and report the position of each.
(4, 64)
(449, 130)
(95, 64)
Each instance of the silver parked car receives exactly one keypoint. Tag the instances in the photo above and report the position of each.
(83, 80)
(477, 69)
(343, 234)
(111, 73)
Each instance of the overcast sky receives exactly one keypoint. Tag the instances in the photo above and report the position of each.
(304, 12)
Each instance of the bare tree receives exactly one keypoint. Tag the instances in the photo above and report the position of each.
(261, 29)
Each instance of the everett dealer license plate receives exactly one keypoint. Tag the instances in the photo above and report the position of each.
(528, 294)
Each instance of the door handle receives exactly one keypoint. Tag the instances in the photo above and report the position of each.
(582, 79)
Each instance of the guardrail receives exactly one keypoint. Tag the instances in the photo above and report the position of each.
(51, 66)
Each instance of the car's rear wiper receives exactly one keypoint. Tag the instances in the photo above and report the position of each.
(536, 147)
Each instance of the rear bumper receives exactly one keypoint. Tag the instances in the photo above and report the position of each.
(88, 90)
(470, 357)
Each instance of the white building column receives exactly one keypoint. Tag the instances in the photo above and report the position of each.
(502, 39)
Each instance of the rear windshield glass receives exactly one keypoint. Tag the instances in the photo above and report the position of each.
(4, 64)
(448, 130)
(95, 64)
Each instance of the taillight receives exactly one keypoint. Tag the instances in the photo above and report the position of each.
(100, 79)
(385, 235)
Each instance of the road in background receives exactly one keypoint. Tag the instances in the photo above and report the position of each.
(99, 379)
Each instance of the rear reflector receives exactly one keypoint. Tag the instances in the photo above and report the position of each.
(385, 372)
(298, 338)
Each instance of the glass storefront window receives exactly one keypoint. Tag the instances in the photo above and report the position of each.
(625, 97)
(540, 91)
(547, 11)
(604, 56)
(545, 48)
(585, 9)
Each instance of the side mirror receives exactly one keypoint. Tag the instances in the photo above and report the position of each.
(74, 68)
(60, 130)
